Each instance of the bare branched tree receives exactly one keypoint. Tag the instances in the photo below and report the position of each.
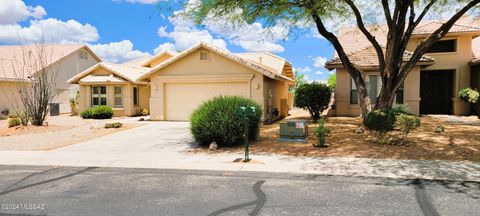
(35, 87)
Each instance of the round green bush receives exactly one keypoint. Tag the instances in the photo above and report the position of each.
(218, 120)
(100, 112)
(313, 97)
(380, 120)
(87, 114)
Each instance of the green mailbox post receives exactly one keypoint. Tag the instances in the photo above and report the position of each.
(246, 113)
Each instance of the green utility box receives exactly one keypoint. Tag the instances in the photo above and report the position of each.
(294, 130)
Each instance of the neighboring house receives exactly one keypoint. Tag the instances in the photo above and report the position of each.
(172, 85)
(64, 61)
(431, 87)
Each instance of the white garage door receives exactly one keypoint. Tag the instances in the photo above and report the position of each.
(182, 98)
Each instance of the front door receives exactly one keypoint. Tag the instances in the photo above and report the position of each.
(436, 92)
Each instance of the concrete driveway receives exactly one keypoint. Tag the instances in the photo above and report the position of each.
(154, 137)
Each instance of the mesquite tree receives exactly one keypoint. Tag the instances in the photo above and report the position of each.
(36, 85)
(400, 16)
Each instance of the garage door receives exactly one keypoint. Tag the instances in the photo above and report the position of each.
(182, 98)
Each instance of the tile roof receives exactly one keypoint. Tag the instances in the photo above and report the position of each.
(267, 70)
(367, 58)
(129, 73)
(12, 57)
(146, 60)
(101, 79)
(430, 27)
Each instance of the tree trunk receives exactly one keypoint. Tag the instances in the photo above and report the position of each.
(364, 100)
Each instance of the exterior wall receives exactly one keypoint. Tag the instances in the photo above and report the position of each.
(342, 93)
(191, 69)
(68, 67)
(128, 108)
(275, 92)
(9, 95)
(458, 61)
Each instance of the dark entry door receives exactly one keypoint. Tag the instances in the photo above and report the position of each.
(436, 91)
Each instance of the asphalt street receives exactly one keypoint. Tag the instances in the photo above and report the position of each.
(44, 190)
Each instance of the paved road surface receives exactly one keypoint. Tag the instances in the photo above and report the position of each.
(122, 191)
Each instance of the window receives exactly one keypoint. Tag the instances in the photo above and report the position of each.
(203, 55)
(353, 93)
(374, 85)
(83, 55)
(443, 46)
(118, 97)
(399, 95)
(99, 95)
(135, 96)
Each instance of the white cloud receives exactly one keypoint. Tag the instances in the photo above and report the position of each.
(319, 61)
(186, 36)
(164, 47)
(139, 1)
(319, 72)
(13, 11)
(118, 52)
(305, 69)
(251, 37)
(50, 30)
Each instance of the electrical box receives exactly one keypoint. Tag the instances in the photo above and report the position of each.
(294, 130)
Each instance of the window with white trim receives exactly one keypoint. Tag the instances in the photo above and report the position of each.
(373, 84)
(118, 97)
(99, 95)
(353, 92)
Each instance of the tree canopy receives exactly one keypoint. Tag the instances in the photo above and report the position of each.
(400, 16)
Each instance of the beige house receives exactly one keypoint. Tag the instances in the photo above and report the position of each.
(64, 61)
(172, 85)
(431, 87)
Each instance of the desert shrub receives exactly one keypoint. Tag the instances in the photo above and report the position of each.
(73, 106)
(13, 121)
(313, 97)
(406, 124)
(321, 132)
(218, 120)
(24, 118)
(469, 95)
(100, 112)
(379, 123)
(87, 114)
(113, 125)
(144, 112)
(398, 109)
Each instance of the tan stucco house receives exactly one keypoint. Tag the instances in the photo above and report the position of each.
(63, 61)
(431, 87)
(171, 85)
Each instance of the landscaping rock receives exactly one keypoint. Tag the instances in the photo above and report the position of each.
(213, 146)
(439, 129)
(359, 130)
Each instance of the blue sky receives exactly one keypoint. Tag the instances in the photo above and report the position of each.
(121, 30)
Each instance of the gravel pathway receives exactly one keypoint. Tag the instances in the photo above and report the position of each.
(78, 130)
